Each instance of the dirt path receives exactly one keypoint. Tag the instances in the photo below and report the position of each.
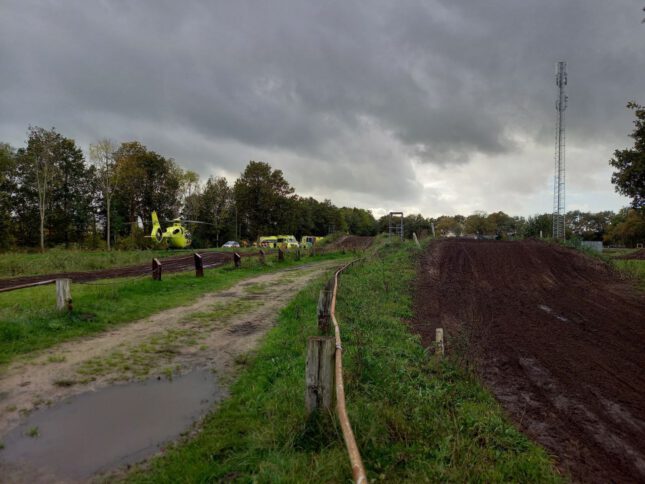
(215, 332)
(558, 338)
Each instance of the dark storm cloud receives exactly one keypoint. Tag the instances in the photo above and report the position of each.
(354, 88)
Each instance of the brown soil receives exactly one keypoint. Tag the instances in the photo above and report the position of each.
(558, 338)
(351, 242)
(170, 264)
(638, 255)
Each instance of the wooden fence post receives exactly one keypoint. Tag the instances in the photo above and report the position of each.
(298, 253)
(319, 392)
(64, 294)
(280, 255)
(199, 265)
(156, 269)
(324, 302)
(262, 257)
(237, 259)
(439, 341)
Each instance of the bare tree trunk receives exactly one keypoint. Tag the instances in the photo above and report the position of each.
(42, 229)
(108, 224)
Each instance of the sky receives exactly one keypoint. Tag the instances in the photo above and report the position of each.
(432, 107)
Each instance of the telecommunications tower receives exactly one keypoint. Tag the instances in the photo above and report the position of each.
(560, 171)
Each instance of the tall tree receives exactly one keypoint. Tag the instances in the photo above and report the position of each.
(72, 193)
(7, 189)
(102, 155)
(215, 208)
(147, 181)
(629, 176)
(262, 197)
(37, 164)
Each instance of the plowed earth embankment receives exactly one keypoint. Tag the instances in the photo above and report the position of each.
(557, 336)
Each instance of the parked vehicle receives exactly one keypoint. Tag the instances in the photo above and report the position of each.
(275, 241)
(308, 240)
(231, 243)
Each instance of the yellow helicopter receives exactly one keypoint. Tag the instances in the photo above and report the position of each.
(177, 235)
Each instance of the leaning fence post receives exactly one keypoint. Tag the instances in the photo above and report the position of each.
(319, 375)
(439, 341)
(199, 265)
(261, 257)
(416, 241)
(156, 269)
(237, 259)
(64, 294)
(298, 253)
(280, 254)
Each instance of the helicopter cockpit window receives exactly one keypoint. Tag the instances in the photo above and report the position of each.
(175, 232)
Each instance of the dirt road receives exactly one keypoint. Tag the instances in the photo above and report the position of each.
(215, 332)
(558, 338)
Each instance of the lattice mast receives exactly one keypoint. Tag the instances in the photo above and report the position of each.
(560, 166)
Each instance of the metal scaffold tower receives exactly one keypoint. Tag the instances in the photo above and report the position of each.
(395, 224)
(560, 167)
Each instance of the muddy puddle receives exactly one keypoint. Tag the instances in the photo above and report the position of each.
(98, 431)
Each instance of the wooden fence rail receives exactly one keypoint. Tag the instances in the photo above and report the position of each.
(318, 369)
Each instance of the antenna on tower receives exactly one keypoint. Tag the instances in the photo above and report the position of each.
(560, 167)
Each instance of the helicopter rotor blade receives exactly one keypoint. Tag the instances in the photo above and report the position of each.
(197, 222)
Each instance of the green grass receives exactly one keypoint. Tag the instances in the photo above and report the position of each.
(16, 264)
(29, 319)
(633, 268)
(416, 419)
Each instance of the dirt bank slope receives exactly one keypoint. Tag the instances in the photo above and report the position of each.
(556, 336)
(351, 242)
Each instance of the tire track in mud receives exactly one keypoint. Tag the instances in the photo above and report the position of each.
(558, 338)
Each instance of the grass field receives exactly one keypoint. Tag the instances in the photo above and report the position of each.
(633, 268)
(15, 264)
(29, 320)
(416, 419)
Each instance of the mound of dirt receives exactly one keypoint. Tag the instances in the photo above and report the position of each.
(637, 255)
(351, 242)
(557, 337)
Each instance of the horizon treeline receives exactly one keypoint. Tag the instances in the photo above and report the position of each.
(51, 195)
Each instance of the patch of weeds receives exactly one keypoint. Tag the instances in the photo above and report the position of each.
(1, 445)
(33, 432)
(65, 382)
(168, 373)
(258, 288)
(221, 313)
(56, 358)
(242, 359)
(23, 412)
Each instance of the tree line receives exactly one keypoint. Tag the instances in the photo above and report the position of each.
(627, 227)
(51, 195)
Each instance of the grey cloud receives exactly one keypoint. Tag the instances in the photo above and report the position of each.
(442, 80)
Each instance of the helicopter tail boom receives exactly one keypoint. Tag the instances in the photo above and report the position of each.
(156, 233)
